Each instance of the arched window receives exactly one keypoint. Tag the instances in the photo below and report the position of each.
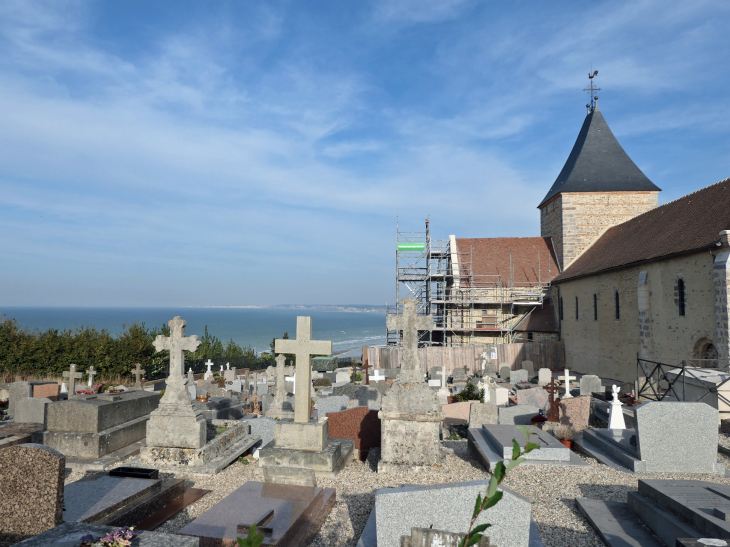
(576, 308)
(680, 297)
(595, 307)
(618, 306)
(560, 308)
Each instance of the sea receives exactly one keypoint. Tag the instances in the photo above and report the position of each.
(348, 330)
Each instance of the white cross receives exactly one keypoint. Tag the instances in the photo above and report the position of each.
(72, 376)
(410, 323)
(178, 344)
(303, 347)
(228, 366)
(567, 378)
(91, 372)
(209, 373)
(377, 377)
(138, 374)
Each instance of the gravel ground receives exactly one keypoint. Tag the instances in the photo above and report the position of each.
(552, 490)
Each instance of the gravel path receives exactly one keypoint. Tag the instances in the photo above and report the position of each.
(552, 490)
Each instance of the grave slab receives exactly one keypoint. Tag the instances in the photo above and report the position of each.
(535, 396)
(68, 534)
(616, 524)
(299, 512)
(517, 414)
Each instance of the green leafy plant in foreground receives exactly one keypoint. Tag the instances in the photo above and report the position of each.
(492, 496)
(253, 539)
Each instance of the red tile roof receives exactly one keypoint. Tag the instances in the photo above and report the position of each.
(689, 224)
(532, 258)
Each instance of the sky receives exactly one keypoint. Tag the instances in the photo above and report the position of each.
(185, 153)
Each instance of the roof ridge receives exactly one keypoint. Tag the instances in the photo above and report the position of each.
(727, 180)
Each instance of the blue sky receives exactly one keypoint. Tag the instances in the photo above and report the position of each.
(234, 153)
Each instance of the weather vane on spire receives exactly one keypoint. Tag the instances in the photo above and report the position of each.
(591, 90)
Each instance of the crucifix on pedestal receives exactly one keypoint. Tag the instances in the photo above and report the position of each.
(567, 378)
(138, 375)
(72, 376)
(91, 373)
(410, 323)
(178, 344)
(303, 348)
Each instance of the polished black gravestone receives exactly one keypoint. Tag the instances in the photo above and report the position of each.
(298, 513)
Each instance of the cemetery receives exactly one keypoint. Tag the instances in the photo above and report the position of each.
(395, 459)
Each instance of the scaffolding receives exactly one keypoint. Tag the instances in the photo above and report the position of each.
(468, 308)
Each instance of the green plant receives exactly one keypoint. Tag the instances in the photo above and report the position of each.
(355, 378)
(220, 429)
(253, 539)
(453, 437)
(470, 393)
(492, 495)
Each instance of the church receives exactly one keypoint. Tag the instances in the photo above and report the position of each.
(613, 275)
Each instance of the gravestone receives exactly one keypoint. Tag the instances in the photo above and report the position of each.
(504, 371)
(575, 412)
(280, 407)
(21, 390)
(325, 405)
(138, 375)
(517, 414)
(411, 414)
(517, 376)
(544, 375)
(229, 374)
(535, 396)
(50, 391)
(296, 514)
(441, 507)
(498, 395)
(176, 423)
(458, 376)
(31, 410)
(589, 384)
(483, 413)
(360, 424)
(529, 366)
(428, 537)
(342, 376)
(92, 426)
(434, 373)
(31, 491)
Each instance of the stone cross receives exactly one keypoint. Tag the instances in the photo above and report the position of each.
(553, 413)
(567, 378)
(410, 323)
(91, 372)
(178, 344)
(208, 373)
(228, 366)
(138, 375)
(280, 396)
(303, 347)
(72, 376)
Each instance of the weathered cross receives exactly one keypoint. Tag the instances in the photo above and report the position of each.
(138, 375)
(553, 413)
(303, 348)
(567, 378)
(410, 323)
(91, 372)
(208, 373)
(72, 376)
(175, 391)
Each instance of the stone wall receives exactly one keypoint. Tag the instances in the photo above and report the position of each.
(649, 322)
(575, 219)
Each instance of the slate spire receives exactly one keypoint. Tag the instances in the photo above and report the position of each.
(598, 163)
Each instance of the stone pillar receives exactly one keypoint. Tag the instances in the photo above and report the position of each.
(646, 339)
(721, 279)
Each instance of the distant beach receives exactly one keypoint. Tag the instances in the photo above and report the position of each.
(349, 327)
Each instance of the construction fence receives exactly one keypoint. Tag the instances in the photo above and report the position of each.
(543, 354)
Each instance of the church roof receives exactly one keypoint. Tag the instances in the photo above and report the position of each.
(689, 224)
(597, 163)
(532, 258)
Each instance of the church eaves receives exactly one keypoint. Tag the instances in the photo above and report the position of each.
(598, 163)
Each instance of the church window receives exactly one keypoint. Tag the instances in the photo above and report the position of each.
(618, 306)
(560, 308)
(680, 297)
(595, 307)
(576, 308)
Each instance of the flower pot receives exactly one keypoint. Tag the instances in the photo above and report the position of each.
(202, 399)
(569, 444)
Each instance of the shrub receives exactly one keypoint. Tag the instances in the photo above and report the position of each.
(470, 393)
(355, 377)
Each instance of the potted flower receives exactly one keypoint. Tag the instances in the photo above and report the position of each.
(202, 398)
(565, 435)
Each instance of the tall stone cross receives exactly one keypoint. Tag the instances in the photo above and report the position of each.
(410, 323)
(178, 344)
(138, 375)
(567, 378)
(91, 372)
(303, 348)
(72, 376)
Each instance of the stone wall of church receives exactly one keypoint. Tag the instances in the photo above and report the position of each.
(575, 219)
(649, 322)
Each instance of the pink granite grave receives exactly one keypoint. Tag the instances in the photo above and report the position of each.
(576, 412)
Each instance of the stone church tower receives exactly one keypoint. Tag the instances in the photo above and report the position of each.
(598, 187)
